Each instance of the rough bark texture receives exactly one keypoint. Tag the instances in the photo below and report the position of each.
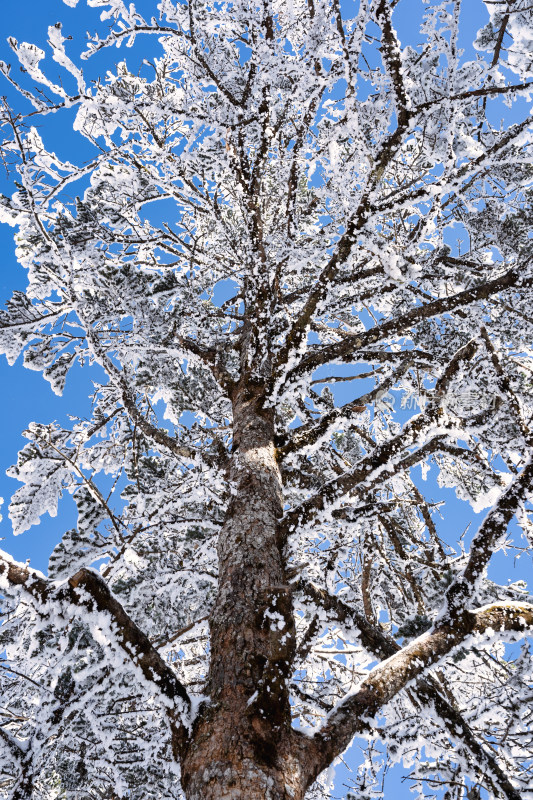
(242, 741)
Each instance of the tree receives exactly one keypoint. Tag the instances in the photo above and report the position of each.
(258, 575)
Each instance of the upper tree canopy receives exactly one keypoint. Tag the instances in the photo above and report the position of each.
(273, 207)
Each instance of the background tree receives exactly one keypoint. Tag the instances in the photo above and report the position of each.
(257, 576)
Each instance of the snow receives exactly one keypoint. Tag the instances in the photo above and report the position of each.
(337, 232)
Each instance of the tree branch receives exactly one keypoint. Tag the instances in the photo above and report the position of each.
(392, 675)
(390, 49)
(119, 379)
(505, 387)
(383, 646)
(22, 756)
(87, 591)
(387, 150)
(471, 93)
(493, 527)
(345, 349)
(15, 747)
(313, 431)
(380, 463)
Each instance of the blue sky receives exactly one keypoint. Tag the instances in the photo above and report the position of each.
(25, 396)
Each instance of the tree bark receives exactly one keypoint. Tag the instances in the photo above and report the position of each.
(242, 746)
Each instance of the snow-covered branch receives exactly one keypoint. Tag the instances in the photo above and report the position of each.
(86, 593)
(396, 672)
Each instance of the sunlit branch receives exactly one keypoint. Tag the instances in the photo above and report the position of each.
(22, 757)
(151, 431)
(391, 676)
(360, 480)
(13, 745)
(383, 646)
(87, 591)
(460, 179)
(505, 387)
(356, 222)
(485, 91)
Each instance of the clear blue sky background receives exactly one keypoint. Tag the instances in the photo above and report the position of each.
(24, 395)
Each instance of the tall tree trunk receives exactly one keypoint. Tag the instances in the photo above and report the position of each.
(242, 743)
